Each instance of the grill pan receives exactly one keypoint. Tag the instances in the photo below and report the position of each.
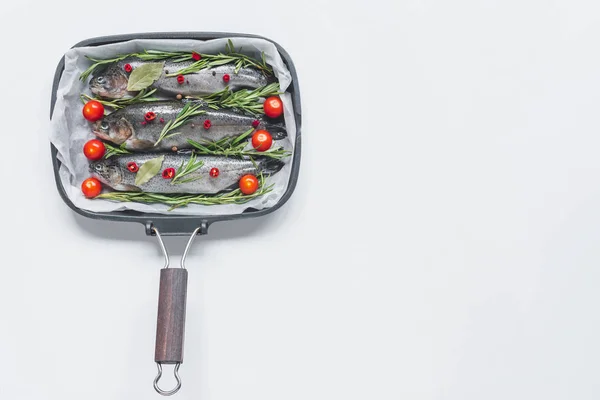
(183, 225)
(173, 281)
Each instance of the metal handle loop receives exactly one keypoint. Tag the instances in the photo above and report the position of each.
(185, 252)
(162, 246)
(187, 247)
(175, 389)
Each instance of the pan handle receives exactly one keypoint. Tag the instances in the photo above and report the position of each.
(176, 227)
(170, 323)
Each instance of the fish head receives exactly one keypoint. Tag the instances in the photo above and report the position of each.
(113, 128)
(110, 82)
(107, 171)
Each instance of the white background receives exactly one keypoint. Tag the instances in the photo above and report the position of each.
(441, 243)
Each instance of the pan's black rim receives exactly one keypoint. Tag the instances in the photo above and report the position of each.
(182, 224)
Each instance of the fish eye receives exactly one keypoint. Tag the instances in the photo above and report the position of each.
(100, 79)
(104, 126)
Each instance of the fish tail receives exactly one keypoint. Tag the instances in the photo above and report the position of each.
(277, 131)
(271, 79)
(270, 166)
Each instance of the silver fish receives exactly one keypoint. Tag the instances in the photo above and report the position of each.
(111, 81)
(128, 126)
(114, 173)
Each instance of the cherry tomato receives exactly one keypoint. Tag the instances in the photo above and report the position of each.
(273, 107)
(91, 187)
(248, 184)
(94, 149)
(93, 110)
(262, 140)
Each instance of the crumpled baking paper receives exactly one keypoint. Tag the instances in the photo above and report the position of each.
(70, 131)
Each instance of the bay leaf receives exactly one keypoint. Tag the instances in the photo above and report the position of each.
(144, 75)
(148, 170)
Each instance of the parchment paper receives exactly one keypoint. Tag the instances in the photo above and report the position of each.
(70, 131)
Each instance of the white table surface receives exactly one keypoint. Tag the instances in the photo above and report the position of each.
(441, 243)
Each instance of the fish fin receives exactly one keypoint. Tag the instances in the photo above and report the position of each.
(270, 166)
(139, 144)
(124, 187)
(102, 135)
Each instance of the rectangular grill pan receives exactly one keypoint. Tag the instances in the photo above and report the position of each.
(180, 225)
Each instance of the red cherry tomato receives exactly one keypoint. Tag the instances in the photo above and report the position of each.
(91, 187)
(94, 149)
(248, 184)
(93, 110)
(262, 140)
(273, 107)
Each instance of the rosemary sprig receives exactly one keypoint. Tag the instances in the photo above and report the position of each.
(112, 150)
(98, 63)
(188, 111)
(207, 60)
(115, 104)
(226, 147)
(236, 147)
(231, 56)
(245, 100)
(192, 166)
(146, 55)
(155, 55)
(278, 153)
(182, 200)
